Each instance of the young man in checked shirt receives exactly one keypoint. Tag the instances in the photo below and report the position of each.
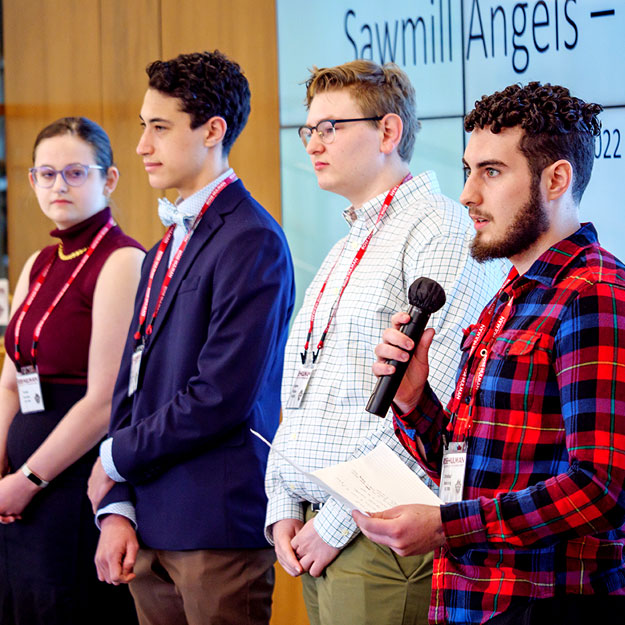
(535, 535)
(417, 232)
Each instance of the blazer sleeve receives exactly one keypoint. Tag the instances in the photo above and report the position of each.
(121, 491)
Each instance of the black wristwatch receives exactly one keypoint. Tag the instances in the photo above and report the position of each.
(33, 477)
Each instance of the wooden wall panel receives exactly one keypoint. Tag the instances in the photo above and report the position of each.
(48, 74)
(288, 604)
(246, 31)
(130, 40)
(88, 57)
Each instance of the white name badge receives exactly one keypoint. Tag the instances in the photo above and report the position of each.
(135, 368)
(29, 390)
(452, 472)
(299, 386)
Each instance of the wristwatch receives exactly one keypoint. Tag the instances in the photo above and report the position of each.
(33, 477)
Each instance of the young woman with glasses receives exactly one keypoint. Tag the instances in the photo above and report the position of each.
(70, 314)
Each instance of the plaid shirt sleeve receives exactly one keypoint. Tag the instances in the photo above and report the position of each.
(281, 503)
(426, 423)
(587, 499)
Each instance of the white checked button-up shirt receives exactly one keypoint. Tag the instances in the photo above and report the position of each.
(423, 233)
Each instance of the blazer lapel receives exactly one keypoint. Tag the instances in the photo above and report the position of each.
(210, 223)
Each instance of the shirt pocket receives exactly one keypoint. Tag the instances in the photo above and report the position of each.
(468, 334)
(466, 341)
(519, 376)
(519, 408)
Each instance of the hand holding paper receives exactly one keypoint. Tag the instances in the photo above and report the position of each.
(407, 530)
(374, 482)
(404, 512)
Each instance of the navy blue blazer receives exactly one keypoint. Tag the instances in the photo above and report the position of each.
(210, 371)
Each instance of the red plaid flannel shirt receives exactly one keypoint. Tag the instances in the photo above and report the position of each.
(543, 498)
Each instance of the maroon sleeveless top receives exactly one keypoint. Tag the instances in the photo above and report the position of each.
(63, 349)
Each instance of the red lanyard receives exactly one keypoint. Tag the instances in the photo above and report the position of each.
(485, 335)
(355, 262)
(174, 263)
(37, 287)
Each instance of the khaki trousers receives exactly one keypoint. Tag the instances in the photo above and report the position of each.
(204, 587)
(368, 584)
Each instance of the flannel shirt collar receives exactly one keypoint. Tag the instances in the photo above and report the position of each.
(550, 266)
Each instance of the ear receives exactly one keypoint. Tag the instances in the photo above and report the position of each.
(392, 128)
(557, 179)
(214, 131)
(31, 180)
(112, 178)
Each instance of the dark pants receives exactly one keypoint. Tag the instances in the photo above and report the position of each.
(566, 610)
(47, 573)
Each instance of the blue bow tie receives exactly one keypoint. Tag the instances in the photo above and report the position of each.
(170, 215)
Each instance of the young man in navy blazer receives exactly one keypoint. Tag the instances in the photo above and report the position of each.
(183, 519)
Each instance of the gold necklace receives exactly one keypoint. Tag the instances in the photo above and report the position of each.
(71, 255)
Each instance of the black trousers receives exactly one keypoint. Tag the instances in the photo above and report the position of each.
(47, 573)
(566, 610)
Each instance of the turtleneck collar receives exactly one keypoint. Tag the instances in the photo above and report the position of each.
(81, 234)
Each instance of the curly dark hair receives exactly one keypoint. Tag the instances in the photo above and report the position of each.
(557, 126)
(208, 84)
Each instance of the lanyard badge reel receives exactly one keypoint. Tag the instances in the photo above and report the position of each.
(296, 394)
(135, 368)
(453, 471)
(29, 389)
(304, 372)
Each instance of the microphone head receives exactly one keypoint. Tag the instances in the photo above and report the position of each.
(426, 294)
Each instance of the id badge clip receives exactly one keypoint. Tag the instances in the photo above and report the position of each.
(29, 390)
(135, 369)
(453, 471)
(300, 384)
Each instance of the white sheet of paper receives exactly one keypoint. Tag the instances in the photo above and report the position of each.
(374, 482)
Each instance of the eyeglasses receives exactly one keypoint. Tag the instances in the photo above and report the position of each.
(74, 174)
(326, 130)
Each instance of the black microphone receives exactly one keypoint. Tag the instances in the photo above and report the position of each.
(426, 297)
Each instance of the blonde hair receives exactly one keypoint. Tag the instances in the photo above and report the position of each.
(378, 90)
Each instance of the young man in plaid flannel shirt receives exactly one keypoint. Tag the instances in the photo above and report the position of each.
(535, 534)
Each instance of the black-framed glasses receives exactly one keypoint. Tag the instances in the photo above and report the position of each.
(325, 128)
(74, 174)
